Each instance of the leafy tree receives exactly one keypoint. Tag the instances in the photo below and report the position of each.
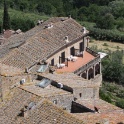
(6, 18)
(117, 8)
(120, 103)
(113, 68)
(46, 8)
(23, 24)
(106, 22)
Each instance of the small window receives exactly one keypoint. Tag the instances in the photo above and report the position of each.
(55, 101)
(52, 62)
(80, 94)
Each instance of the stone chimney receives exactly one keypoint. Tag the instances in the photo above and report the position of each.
(66, 39)
(84, 30)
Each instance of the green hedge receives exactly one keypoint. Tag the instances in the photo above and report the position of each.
(104, 34)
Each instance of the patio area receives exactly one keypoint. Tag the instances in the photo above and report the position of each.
(72, 66)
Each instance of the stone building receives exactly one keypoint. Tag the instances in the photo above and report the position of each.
(48, 73)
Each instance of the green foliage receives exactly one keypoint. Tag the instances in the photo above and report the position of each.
(117, 8)
(120, 103)
(104, 34)
(6, 18)
(105, 96)
(112, 93)
(46, 8)
(120, 24)
(105, 44)
(106, 22)
(113, 68)
(22, 20)
(23, 24)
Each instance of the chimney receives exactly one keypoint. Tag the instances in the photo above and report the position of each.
(26, 70)
(49, 26)
(39, 22)
(7, 33)
(66, 39)
(84, 30)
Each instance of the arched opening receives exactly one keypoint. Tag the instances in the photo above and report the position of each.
(83, 75)
(97, 69)
(90, 73)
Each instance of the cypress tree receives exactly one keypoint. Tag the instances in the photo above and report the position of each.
(6, 18)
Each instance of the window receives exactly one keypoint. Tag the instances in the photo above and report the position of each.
(72, 51)
(52, 62)
(62, 57)
(81, 46)
(44, 83)
(80, 94)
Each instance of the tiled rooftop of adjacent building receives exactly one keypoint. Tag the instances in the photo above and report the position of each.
(107, 111)
(81, 61)
(44, 92)
(48, 113)
(70, 80)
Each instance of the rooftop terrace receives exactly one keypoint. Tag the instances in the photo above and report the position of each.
(81, 61)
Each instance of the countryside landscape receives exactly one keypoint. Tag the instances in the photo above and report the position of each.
(103, 31)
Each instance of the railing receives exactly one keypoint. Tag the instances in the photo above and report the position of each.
(88, 65)
(92, 52)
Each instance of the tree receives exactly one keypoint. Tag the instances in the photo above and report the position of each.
(22, 23)
(106, 22)
(6, 18)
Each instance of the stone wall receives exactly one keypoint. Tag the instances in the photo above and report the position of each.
(63, 101)
(86, 93)
(66, 50)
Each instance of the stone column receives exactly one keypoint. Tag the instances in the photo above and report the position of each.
(100, 71)
(94, 71)
(87, 73)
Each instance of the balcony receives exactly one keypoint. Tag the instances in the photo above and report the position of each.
(82, 63)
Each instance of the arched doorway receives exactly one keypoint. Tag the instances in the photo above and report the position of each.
(84, 75)
(97, 69)
(90, 73)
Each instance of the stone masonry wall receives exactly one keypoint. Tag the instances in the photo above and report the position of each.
(67, 53)
(86, 93)
(63, 101)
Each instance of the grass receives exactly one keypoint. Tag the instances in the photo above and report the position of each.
(19, 14)
(113, 46)
(87, 24)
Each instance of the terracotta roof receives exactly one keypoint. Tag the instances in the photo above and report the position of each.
(107, 112)
(70, 80)
(12, 107)
(44, 92)
(48, 113)
(43, 44)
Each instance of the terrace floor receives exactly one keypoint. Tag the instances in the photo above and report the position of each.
(72, 66)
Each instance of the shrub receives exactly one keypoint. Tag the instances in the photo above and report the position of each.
(120, 103)
(105, 44)
(104, 34)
